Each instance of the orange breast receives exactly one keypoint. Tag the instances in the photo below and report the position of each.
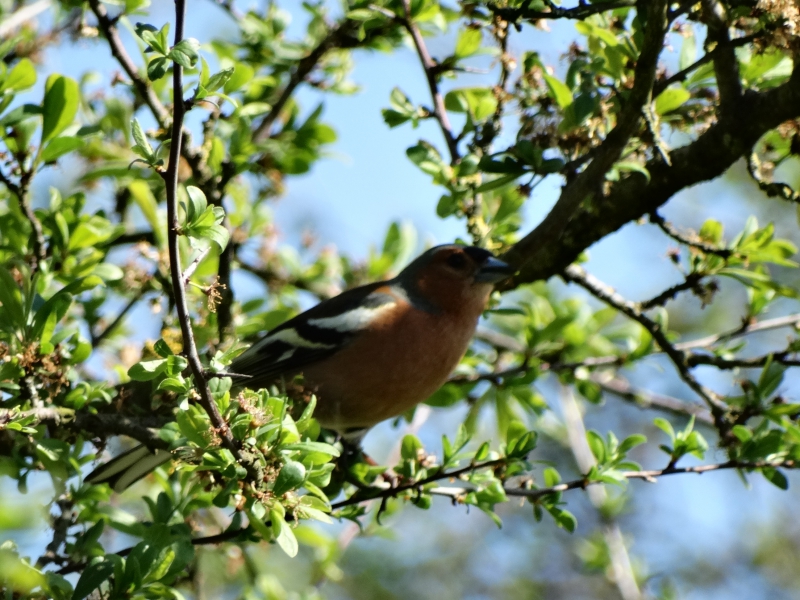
(372, 380)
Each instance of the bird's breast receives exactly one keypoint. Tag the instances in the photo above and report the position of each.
(396, 364)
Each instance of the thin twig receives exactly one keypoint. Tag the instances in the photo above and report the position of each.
(681, 75)
(511, 490)
(624, 577)
(98, 339)
(646, 399)
(140, 84)
(693, 241)
(178, 286)
(21, 15)
(298, 75)
(189, 271)
(600, 290)
(755, 362)
(456, 492)
(691, 282)
(746, 328)
(429, 66)
(143, 429)
(20, 190)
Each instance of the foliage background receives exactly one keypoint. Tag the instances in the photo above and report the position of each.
(689, 536)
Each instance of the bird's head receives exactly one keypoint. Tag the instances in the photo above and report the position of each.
(452, 275)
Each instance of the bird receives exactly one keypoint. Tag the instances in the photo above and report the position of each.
(369, 354)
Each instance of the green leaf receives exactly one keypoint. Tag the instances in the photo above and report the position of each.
(197, 204)
(558, 90)
(564, 519)
(410, 447)
(426, 157)
(21, 77)
(11, 303)
(291, 476)
(469, 41)
(185, 52)
(242, 75)
(59, 146)
(671, 99)
(146, 370)
(634, 167)
(142, 145)
(630, 442)
(286, 538)
(688, 50)
(218, 80)
(597, 445)
(147, 203)
(61, 99)
(157, 68)
(776, 478)
(92, 578)
(478, 102)
(151, 36)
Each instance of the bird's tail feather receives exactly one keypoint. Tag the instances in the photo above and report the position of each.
(126, 469)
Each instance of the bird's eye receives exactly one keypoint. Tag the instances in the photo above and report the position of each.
(457, 261)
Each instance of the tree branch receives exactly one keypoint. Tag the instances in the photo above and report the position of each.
(569, 230)
(681, 75)
(726, 65)
(98, 338)
(693, 241)
(143, 429)
(555, 231)
(647, 399)
(691, 282)
(746, 327)
(429, 66)
(140, 84)
(20, 190)
(600, 290)
(579, 12)
(342, 35)
(178, 284)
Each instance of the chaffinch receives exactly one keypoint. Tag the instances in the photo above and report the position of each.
(370, 353)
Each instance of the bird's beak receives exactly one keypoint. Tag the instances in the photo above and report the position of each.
(494, 270)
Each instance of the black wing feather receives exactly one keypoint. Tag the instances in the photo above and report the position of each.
(269, 358)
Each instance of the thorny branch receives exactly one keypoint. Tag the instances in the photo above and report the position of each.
(178, 284)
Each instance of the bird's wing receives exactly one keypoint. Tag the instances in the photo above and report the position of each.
(314, 335)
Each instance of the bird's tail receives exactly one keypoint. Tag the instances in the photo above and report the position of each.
(126, 469)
